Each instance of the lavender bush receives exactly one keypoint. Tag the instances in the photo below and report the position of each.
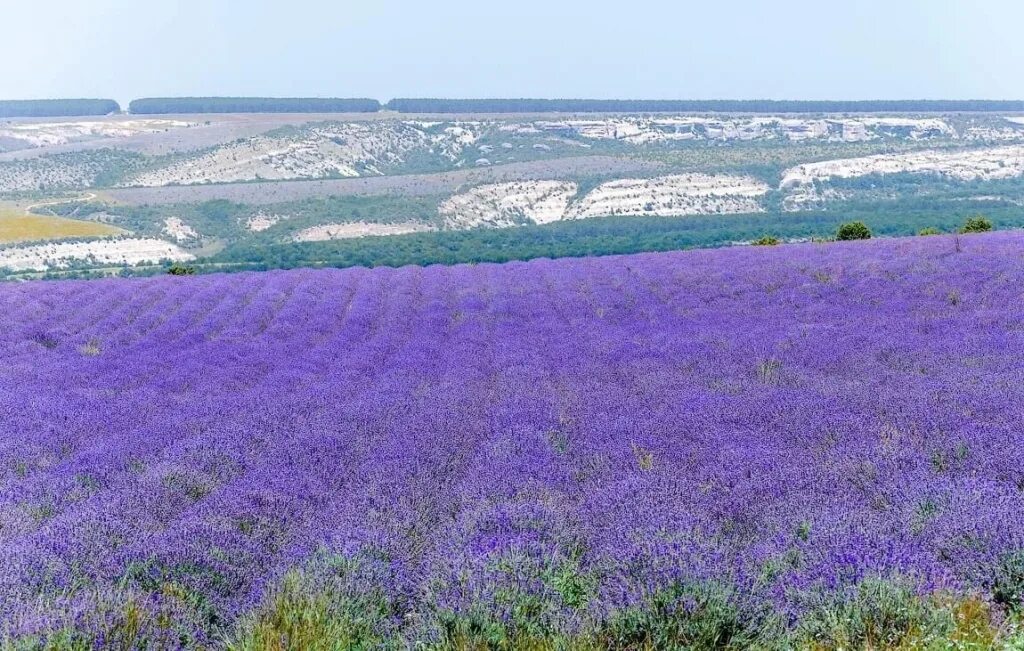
(790, 446)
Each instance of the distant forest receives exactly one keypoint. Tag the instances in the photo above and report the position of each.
(166, 105)
(155, 105)
(405, 105)
(42, 108)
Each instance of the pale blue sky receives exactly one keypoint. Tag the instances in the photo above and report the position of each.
(789, 49)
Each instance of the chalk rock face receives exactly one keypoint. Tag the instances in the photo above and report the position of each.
(48, 134)
(59, 255)
(351, 230)
(641, 130)
(965, 165)
(681, 194)
(541, 202)
(327, 150)
(509, 204)
(178, 230)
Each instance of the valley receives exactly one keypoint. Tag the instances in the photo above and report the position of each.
(167, 177)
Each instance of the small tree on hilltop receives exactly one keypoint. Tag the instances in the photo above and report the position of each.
(853, 231)
(976, 224)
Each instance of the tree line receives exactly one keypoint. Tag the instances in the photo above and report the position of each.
(42, 108)
(155, 105)
(428, 105)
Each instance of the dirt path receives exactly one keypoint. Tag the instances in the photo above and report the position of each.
(89, 196)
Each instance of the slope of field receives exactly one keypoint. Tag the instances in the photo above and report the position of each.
(261, 193)
(234, 148)
(33, 134)
(745, 447)
(19, 226)
(319, 151)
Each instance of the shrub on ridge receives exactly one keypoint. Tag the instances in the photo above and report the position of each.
(976, 224)
(853, 231)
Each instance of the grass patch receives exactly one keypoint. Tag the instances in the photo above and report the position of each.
(889, 614)
(322, 607)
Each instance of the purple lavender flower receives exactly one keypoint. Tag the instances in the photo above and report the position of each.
(584, 432)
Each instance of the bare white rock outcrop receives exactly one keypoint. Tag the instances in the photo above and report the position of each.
(46, 134)
(641, 130)
(499, 205)
(966, 165)
(679, 194)
(351, 230)
(262, 221)
(341, 149)
(177, 229)
(107, 252)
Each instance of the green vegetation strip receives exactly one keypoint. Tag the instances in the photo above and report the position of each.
(156, 105)
(33, 108)
(335, 602)
(525, 105)
(603, 236)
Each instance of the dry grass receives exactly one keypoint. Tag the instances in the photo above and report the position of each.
(18, 226)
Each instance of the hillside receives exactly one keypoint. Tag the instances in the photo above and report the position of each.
(740, 445)
(266, 190)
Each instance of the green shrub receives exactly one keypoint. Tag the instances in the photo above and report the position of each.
(853, 231)
(976, 224)
(1008, 582)
(931, 230)
(766, 240)
(881, 614)
(181, 270)
(484, 630)
(684, 616)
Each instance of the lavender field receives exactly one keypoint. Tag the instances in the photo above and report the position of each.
(806, 446)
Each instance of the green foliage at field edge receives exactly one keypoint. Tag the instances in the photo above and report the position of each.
(340, 602)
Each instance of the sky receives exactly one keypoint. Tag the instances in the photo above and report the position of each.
(639, 49)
